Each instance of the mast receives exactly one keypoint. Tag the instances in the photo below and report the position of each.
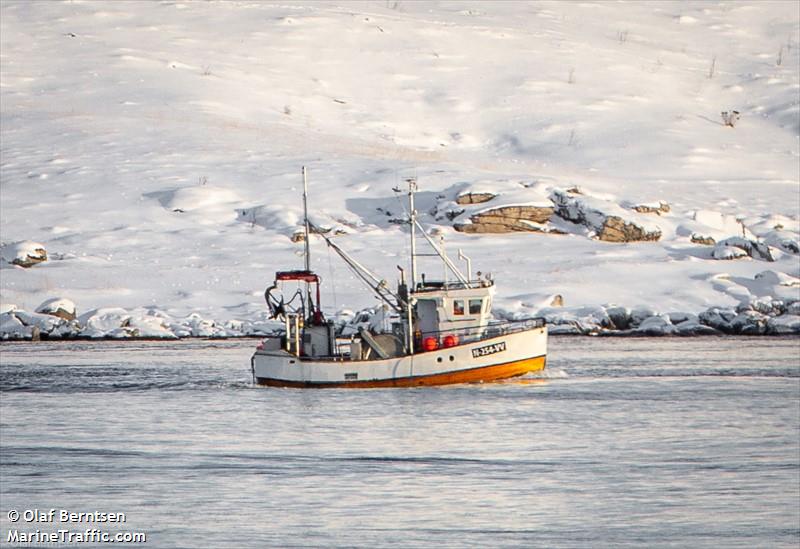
(316, 309)
(412, 187)
(305, 217)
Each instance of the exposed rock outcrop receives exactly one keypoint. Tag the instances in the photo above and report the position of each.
(705, 240)
(616, 229)
(610, 222)
(658, 209)
(507, 219)
(300, 234)
(474, 198)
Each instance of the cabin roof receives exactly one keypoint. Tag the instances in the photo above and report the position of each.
(434, 287)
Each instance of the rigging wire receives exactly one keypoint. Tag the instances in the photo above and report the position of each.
(377, 285)
(333, 280)
(406, 213)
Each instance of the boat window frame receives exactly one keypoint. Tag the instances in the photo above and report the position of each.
(472, 303)
(459, 307)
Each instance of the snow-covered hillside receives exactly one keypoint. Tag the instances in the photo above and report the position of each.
(154, 149)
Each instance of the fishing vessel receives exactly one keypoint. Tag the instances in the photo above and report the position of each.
(440, 331)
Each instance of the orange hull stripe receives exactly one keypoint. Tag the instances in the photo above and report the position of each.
(473, 375)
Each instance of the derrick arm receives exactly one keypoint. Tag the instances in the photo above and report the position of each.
(377, 285)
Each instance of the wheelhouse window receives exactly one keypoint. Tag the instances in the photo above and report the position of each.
(475, 306)
(458, 307)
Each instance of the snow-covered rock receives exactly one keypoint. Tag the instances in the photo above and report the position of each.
(718, 318)
(782, 240)
(583, 320)
(679, 317)
(786, 324)
(43, 325)
(567, 329)
(640, 314)
(657, 325)
(58, 306)
(203, 203)
(197, 326)
(726, 253)
(726, 249)
(608, 220)
(97, 323)
(695, 328)
(764, 305)
(749, 323)
(289, 221)
(620, 317)
(148, 326)
(118, 323)
(12, 328)
(25, 253)
(710, 226)
(778, 231)
(777, 278)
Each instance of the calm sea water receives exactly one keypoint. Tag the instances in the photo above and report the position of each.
(623, 443)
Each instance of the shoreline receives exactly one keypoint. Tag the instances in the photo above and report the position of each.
(619, 334)
(762, 317)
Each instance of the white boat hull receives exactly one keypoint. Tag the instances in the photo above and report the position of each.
(491, 359)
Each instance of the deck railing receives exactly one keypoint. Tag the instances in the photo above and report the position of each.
(474, 334)
(459, 336)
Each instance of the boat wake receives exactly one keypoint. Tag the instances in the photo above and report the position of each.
(548, 373)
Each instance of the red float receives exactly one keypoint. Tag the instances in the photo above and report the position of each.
(450, 340)
(430, 344)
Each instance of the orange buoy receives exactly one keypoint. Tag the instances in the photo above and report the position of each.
(430, 344)
(450, 340)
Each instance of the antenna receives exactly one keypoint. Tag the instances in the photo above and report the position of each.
(305, 218)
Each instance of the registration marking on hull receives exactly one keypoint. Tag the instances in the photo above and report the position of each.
(489, 349)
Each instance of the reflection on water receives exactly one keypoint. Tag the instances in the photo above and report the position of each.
(636, 442)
